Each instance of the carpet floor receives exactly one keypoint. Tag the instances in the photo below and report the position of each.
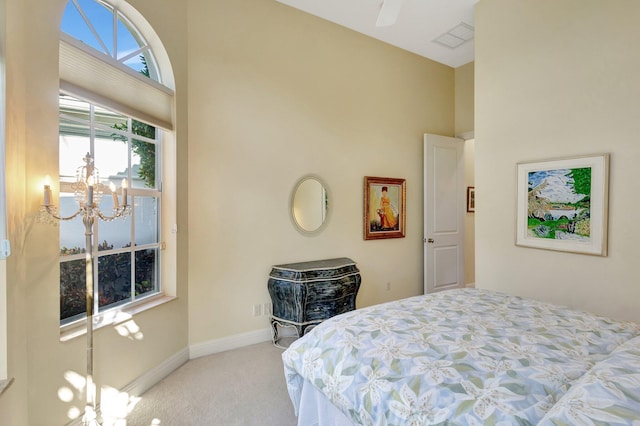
(241, 387)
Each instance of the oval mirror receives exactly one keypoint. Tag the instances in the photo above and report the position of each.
(309, 205)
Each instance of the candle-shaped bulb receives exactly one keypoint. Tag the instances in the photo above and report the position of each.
(47, 191)
(47, 195)
(47, 200)
(90, 184)
(124, 192)
(112, 187)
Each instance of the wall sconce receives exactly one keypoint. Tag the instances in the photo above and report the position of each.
(88, 192)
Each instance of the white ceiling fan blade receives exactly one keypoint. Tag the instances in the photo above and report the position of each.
(389, 12)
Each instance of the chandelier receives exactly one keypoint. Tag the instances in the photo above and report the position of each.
(88, 192)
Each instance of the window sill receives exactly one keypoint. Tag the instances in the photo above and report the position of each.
(116, 316)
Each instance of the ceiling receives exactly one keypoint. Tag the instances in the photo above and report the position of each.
(418, 24)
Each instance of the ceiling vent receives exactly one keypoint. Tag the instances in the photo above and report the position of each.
(456, 36)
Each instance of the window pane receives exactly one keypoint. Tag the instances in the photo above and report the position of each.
(72, 151)
(137, 64)
(127, 42)
(111, 159)
(74, 136)
(72, 289)
(143, 164)
(72, 239)
(101, 18)
(74, 25)
(115, 234)
(75, 108)
(114, 279)
(146, 220)
(110, 119)
(143, 129)
(146, 271)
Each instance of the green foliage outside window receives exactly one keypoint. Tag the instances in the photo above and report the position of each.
(145, 150)
(115, 272)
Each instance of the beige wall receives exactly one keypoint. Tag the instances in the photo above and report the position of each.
(464, 100)
(470, 217)
(464, 112)
(557, 79)
(276, 94)
(37, 359)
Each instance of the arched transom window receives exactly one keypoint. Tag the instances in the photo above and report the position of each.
(104, 28)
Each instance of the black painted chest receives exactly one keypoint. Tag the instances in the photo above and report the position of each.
(306, 293)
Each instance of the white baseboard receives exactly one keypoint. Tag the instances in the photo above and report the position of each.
(228, 343)
(149, 379)
(153, 376)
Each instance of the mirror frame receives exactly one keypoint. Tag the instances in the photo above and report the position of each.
(292, 197)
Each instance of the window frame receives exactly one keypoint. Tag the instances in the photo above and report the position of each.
(94, 125)
(163, 120)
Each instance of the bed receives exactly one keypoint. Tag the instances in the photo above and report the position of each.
(466, 357)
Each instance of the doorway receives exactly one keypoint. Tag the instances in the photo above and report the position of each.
(449, 231)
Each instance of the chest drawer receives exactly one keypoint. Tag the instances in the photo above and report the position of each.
(332, 289)
(328, 309)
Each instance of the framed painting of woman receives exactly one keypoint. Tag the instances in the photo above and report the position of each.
(384, 208)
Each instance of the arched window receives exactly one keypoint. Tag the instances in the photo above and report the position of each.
(116, 102)
(107, 30)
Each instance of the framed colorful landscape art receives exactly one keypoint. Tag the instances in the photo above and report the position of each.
(563, 204)
(384, 208)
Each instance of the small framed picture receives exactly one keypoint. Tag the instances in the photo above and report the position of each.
(384, 208)
(471, 199)
(563, 204)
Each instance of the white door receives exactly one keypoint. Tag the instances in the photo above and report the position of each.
(444, 211)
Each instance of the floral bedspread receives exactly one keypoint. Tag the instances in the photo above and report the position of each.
(471, 357)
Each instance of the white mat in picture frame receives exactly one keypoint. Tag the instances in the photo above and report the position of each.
(562, 204)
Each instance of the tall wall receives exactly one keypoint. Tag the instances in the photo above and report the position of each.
(464, 107)
(37, 359)
(557, 79)
(276, 94)
(464, 100)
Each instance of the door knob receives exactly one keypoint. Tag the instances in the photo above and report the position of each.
(430, 241)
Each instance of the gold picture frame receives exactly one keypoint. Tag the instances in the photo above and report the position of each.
(384, 208)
